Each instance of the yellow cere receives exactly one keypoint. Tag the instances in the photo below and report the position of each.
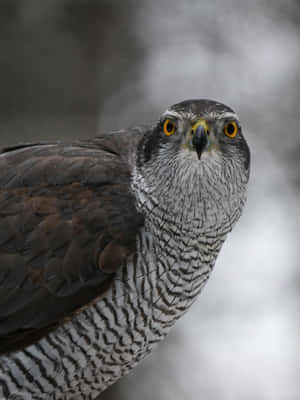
(169, 127)
(231, 129)
(202, 122)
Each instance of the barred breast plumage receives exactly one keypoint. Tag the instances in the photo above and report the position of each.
(150, 258)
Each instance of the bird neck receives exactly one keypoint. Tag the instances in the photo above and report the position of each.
(194, 207)
(178, 245)
(188, 214)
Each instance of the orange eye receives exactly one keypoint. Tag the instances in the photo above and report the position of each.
(169, 127)
(231, 129)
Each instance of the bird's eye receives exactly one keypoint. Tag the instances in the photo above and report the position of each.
(231, 129)
(169, 127)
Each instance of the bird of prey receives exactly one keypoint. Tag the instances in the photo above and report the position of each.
(106, 242)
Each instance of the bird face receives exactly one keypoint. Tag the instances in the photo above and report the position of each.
(202, 127)
(197, 148)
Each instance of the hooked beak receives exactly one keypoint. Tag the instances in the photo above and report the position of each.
(199, 137)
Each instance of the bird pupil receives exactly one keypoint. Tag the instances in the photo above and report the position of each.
(230, 128)
(169, 127)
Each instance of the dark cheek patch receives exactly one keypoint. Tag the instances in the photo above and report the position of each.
(247, 157)
(238, 146)
(244, 151)
(149, 146)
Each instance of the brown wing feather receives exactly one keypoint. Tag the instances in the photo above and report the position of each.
(67, 222)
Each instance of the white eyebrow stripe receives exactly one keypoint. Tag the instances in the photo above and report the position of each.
(226, 115)
(172, 113)
(192, 116)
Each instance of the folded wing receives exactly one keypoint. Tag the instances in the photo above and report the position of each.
(67, 222)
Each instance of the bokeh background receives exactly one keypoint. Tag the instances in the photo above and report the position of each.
(71, 68)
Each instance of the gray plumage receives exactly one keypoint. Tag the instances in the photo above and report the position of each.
(105, 243)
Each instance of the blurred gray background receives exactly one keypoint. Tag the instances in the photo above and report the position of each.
(71, 68)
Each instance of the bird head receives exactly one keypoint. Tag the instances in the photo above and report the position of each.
(196, 159)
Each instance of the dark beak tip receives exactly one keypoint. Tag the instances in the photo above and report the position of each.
(199, 140)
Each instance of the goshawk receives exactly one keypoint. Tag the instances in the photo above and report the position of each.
(106, 242)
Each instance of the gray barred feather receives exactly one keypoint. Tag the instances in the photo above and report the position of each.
(109, 338)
